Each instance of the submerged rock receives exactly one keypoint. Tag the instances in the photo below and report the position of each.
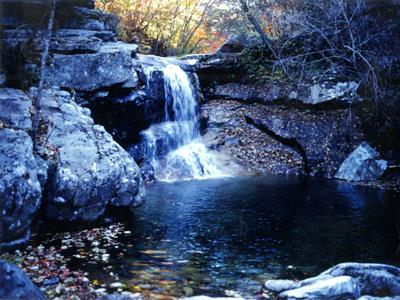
(210, 298)
(122, 296)
(14, 284)
(363, 164)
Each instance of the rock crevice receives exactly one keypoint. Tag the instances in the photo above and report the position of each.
(290, 142)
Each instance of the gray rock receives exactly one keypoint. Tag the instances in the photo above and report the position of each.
(86, 72)
(84, 3)
(280, 285)
(378, 298)
(15, 109)
(273, 91)
(20, 191)
(363, 164)
(373, 279)
(89, 170)
(19, 13)
(72, 42)
(122, 296)
(232, 45)
(14, 37)
(42, 170)
(343, 281)
(94, 19)
(342, 287)
(213, 68)
(237, 43)
(320, 93)
(14, 284)
(210, 298)
(106, 36)
(3, 78)
(323, 142)
(249, 92)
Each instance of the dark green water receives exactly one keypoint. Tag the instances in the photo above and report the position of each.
(231, 234)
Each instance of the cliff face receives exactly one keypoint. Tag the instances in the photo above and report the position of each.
(90, 78)
(78, 169)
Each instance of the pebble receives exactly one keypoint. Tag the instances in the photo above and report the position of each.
(105, 257)
(51, 281)
(101, 291)
(116, 285)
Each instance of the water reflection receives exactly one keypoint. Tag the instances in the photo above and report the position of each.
(231, 234)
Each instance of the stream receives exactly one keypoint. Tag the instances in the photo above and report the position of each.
(226, 236)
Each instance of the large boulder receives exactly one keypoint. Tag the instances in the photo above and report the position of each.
(232, 45)
(88, 170)
(213, 69)
(327, 93)
(363, 164)
(372, 279)
(125, 112)
(92, 19)
(15, 109)
(343, 281)
(68, 14)
(111, 65)
(323, 139)
(15, 284)
(19, 13)
(237, 43)
(20, 191)
(126, 115)
(342, 287)
(79, 45)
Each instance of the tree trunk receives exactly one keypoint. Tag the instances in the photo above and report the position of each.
(260, 31)
(254, 21)
(45, 54)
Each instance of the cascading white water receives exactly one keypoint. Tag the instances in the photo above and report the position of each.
(174, 146)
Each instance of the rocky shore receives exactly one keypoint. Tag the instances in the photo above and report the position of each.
(47, 261)
(280, 127)
(344, 281)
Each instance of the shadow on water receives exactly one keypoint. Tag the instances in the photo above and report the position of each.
(205, 237)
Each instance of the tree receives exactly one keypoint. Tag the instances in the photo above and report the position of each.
(167, 27)
(45, 53)
(254, 21)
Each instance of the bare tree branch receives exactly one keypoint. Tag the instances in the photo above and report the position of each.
(45, 53)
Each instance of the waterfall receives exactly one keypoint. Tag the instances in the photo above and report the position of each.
(174, 147)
